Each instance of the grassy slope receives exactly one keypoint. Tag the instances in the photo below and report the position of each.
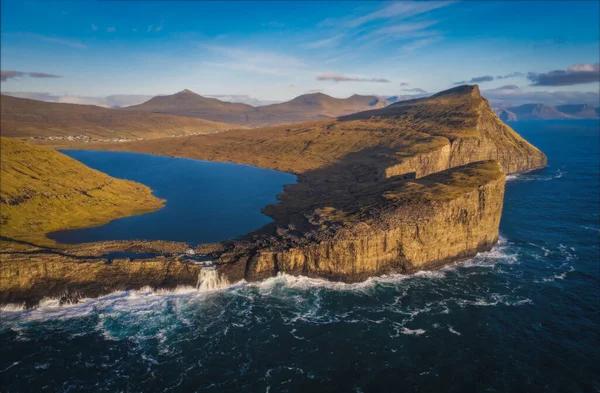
(368, 139)
(20, 117)
(42, 190)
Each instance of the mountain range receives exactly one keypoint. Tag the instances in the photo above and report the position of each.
(542, 111)
(21, 117)
(307, 107)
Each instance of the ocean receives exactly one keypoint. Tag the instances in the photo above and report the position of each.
(523, 317)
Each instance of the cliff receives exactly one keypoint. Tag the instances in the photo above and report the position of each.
(404, 226)
(415, 185)
(42, 190)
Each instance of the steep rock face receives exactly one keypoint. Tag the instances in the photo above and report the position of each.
(496, 141)
(29, 280)
(409, 226)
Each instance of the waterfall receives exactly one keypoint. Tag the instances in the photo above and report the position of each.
(209, 280)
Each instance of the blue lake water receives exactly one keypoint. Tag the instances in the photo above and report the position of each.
(521, 318)
(206, 201)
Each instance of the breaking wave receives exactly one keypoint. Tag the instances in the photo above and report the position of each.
(535, 176)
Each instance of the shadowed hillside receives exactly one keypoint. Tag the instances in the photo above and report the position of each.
(306, 107)
(20, 117)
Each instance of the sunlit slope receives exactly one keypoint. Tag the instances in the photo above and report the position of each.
(42, 190)
(21, 118)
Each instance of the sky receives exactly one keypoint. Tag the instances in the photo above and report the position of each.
(276, 50)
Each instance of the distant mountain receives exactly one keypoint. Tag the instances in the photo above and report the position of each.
(21, 117)
(306, 107)
(583, 111)
(542, 111)
(506, 115)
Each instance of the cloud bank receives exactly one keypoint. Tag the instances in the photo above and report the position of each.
(12, 74)
(574, 75)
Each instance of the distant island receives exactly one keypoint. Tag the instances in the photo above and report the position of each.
(542, 111)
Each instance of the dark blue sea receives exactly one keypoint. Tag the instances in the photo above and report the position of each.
(523, 317)
(206, 201)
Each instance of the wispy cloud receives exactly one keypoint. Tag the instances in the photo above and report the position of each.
(477, 79)
(574, 75)
(335, 77)
(94, 27)
(153, 28)
(11, 74)
(111, 29)
(324, 42)
(511, 75)
(256, 61)
(416, 90)
(396, 10)
(404, 84)
(421, 43)
(53, 40)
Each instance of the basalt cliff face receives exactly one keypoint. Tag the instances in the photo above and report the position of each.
(415, 185)
(404, 226)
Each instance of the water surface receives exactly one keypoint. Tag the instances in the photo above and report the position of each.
(206, 201)
(521, 318)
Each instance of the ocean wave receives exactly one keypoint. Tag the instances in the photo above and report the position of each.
(534, 176)
(144, 299)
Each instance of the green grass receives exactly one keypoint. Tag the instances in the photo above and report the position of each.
(42, 190)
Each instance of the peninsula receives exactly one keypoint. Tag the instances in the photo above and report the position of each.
(411, 186)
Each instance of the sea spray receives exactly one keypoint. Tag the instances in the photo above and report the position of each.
(209, 280)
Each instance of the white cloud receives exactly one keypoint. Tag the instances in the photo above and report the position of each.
(111, 29)
(395, 10)
(418, 44)
(255, 61)
(94, 27)
(52, 40)
(324, 42)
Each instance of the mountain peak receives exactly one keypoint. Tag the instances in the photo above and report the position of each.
(186, 91)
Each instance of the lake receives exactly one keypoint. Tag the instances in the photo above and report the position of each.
(523, 317)
(206, 201)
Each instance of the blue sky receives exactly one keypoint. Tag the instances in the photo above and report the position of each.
(277, 50)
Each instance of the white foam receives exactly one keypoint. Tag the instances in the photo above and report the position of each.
(210, 280)
(534, 176)
(451, 329)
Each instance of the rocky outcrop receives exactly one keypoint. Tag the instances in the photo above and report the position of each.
(29, 280)
(407, 226)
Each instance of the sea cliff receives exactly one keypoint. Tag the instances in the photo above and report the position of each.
(412, 186)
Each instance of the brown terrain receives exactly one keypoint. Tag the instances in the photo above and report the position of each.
(24, 118)
(307, 107)
(415, 185)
